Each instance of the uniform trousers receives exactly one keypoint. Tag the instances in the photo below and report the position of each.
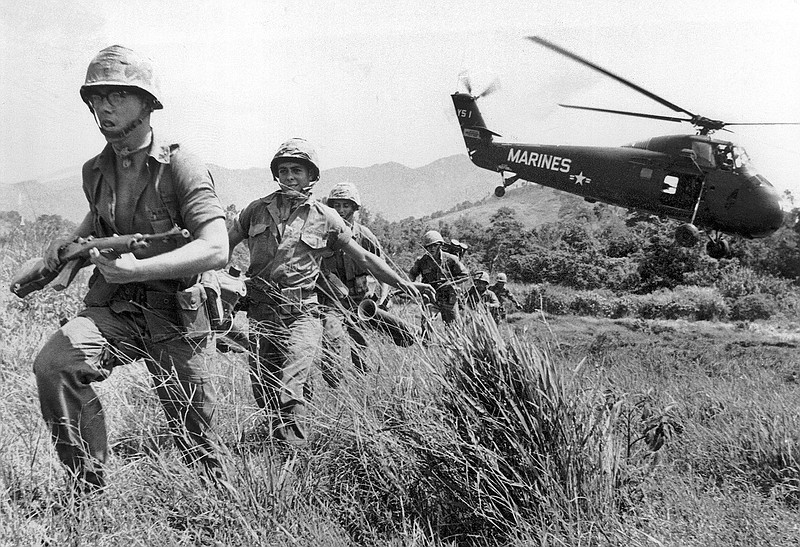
(283, 350)
(85, 350)
(340, 337)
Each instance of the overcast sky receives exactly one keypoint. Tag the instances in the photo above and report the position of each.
(370, 81)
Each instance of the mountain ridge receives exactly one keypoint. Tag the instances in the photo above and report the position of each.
(391, 190)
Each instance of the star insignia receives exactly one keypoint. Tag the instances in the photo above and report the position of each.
(580, 179)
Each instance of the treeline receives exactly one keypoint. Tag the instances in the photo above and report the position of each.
(596, 247)
(589, 248)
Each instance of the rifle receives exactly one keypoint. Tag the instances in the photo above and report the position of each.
(35, 275)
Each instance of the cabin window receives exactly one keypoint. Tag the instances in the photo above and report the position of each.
(740, 157)
(705, 154)
(724, 156)
(670, 185)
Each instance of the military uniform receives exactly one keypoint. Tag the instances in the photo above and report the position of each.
(122, 323)
(488, 299)
(504, 295)
(287, 238)
(354, 279)
(441, 277)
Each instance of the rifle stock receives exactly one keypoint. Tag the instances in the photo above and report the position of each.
(35, 275)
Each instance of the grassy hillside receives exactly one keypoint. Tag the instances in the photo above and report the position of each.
(553, 430)
(534, 205)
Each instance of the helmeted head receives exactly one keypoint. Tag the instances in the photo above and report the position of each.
(481, 280)
(502, 278)
(297, 151)
(118, 66)
(344, 197)
(121, 90)
(431, 238)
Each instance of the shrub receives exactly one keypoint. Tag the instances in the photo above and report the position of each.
(691, 303)
(753, 307)
(592, 303)
(548, 298)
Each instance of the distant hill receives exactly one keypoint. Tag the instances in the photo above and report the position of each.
(533, 205)
(390, 189)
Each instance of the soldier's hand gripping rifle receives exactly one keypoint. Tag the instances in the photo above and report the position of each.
(35, 275)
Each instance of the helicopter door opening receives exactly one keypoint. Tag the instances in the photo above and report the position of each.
(681, 190)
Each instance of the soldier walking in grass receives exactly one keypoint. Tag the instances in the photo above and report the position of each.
(140, 305)
(504, 294)
(480, 296)
(444, 272)
(288, 233)
(343, 284)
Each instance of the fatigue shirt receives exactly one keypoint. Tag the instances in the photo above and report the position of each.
(353, 275)
(435, 274)
(474, 298)
(503, 294)
(288, 253)
(177, 189)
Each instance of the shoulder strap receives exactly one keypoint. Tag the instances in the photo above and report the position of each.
(166, 190)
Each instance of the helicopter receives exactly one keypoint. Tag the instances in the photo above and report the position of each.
(698, 180)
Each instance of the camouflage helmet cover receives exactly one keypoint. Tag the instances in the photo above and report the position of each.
(120, 66)
(345, 190)
(482, 276)
(432, 237)
(300, 151)
(501, 278)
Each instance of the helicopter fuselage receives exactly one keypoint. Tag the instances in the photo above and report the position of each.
(690, 178)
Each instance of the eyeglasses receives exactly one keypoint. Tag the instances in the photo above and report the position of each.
(114, 98)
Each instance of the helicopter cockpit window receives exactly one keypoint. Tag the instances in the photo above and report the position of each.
(740, 157)
(705, 154)
(724, 156)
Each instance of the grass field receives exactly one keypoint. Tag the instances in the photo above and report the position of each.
(545, 431)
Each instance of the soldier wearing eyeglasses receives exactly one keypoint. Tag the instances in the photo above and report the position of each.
(136, 307)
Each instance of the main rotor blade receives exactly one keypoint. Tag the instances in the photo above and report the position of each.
(626, 113)
(763, 123)
(620, 79)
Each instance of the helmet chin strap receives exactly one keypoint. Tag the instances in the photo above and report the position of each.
(125, 131)
(297, 194)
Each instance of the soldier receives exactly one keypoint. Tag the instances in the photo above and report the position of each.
(137, 304)
(480, 295)
(443, 271)
(288, 233)
(343, 285)
(503, 294)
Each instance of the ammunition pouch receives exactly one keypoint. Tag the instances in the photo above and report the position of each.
(193, 310)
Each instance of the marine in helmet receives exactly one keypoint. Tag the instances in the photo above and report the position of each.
(443, 271)
(503, 294)
(342, 285)
(288, 233)
(139, 183)
(479, 295)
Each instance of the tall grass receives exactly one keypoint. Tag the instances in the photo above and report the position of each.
(569, 432)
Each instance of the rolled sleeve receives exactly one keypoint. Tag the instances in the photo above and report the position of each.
(197, 196)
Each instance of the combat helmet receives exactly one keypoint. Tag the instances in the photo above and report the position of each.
(120, 66)
(432, 237)
(345, 190)
(297, 150)
(502, 278)
(482, 276)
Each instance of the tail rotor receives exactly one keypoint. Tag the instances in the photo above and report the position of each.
(488, 89)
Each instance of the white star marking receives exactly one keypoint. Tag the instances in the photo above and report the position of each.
(580, 179)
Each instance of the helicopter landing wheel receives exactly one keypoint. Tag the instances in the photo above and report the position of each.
(718, 248)
(687, 235)
(500, 191)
